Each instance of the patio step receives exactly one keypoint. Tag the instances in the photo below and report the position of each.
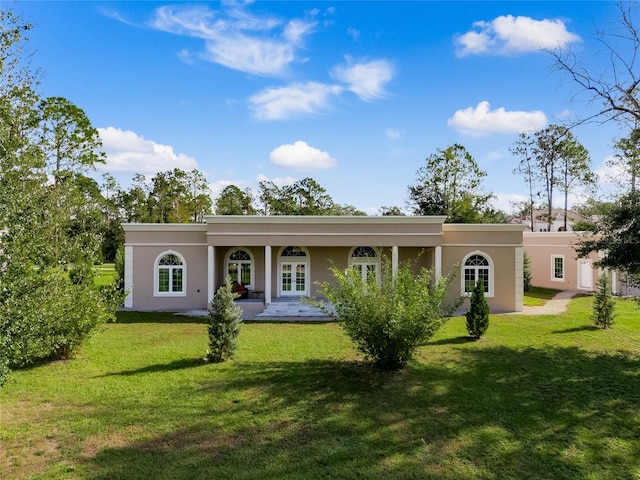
(295, 308)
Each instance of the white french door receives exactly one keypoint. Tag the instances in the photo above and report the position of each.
(293, 279)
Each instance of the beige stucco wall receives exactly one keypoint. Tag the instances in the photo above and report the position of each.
(543, 246)
(502, 245)
(328, 241)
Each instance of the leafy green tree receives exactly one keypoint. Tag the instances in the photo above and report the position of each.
(391, 212)
(450, 184)
(524, 148)
(552, 158)
(199, 201)
(233, 201)
(615, 235)
(389, 318)
(603, 304)
(224, 324)
(69, 141)
(304, 197)
(477, 317)
(49, 231)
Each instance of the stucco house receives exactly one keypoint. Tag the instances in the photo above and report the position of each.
(555, 264)
(175, 267)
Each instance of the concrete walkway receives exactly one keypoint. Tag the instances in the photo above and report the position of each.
(558, 304)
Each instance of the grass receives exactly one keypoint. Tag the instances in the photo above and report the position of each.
(538, 296)
(105, 273)
(540, 397)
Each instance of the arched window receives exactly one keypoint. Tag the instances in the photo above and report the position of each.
(170, 275)
(240, 267)
(477, 266)
(293, 252)
(366, 261)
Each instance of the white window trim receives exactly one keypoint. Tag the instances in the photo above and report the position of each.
(251, 260)
(553, 268)
(306, 260)
(488, 294)
(365, 261)
(156, 268)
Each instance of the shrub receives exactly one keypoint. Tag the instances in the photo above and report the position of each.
(526, 274)
(603, 304)
(389, 318)
(478, 313)
(224, 324)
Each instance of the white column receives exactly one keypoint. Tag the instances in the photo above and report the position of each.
(437, 261)
(614, 282)
(394, 262)
(267, 275)
(128, 276)
(210, 273)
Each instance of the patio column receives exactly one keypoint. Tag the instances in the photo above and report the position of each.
(128, 276)
(437, 261)
(267, 274)
(210, 274)
(394, 262)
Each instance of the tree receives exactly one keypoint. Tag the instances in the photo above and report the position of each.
(199, 201)
(304, 197)
(390, 317)
(69, 141)
(49, 231)
(391, 211)
(627, 160)
(526, 273)
(524, 148)
(477, 317)
(449, 184)
(224, 324)
(233, 201)
(616, 87)
(552, 158)
(603, 303)
(615, 235)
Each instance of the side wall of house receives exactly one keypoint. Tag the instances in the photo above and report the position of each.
(145, 246)
(502, 246)
(555, 264)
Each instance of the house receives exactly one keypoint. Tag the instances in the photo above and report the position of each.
(178, 267)
(555, 264)
(540, 223)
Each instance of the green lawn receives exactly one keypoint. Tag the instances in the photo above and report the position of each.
(105, 273)
(538, 296)
(547, 397)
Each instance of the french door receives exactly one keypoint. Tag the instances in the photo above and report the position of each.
(293, 279)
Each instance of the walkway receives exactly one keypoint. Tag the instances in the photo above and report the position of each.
(558, 304)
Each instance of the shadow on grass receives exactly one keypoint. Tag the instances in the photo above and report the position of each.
(166, 367)
(582, 328)
(452, 341)
(483, 414)
(126, 317)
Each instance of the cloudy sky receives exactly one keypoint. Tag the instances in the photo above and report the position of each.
(353, 94)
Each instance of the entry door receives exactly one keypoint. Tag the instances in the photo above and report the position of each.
(293, 279)
(585, 275)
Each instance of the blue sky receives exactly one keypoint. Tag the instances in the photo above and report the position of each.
(353, 94)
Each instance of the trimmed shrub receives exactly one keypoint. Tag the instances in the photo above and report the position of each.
(478, 314)
(390, 317)
(604, 303)
(224, 324)
(526, 274)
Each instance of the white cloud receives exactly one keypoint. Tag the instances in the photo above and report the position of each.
(393, 133)
(301, 156)
(481, 120)
(129, 152)
(367, 79)
(277, 181)
(293, 100)
(508, 34)
(506, 201)
(236, 39)
(353, 33)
